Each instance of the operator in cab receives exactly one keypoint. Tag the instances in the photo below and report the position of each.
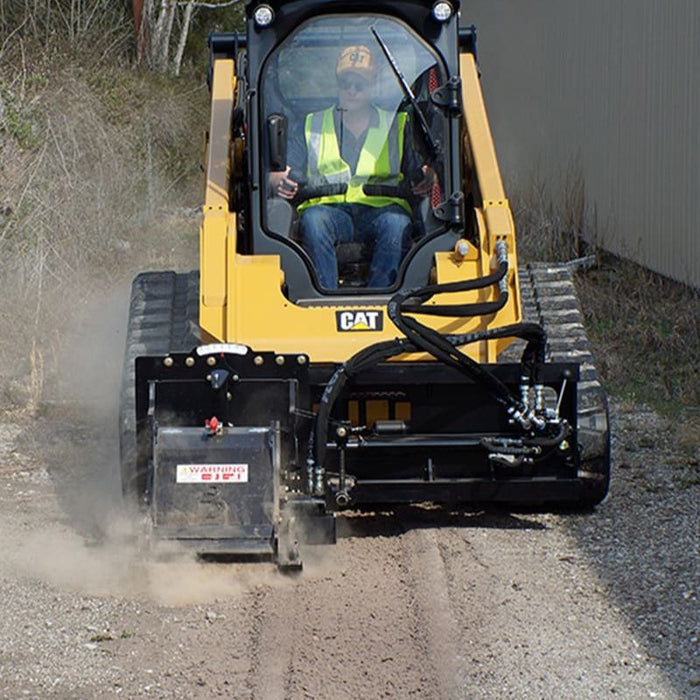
(355, 143)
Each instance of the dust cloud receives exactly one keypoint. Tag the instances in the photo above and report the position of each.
(119, 567)
(74, 531)
(70, 527)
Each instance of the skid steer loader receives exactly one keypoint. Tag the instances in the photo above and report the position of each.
(258, 401)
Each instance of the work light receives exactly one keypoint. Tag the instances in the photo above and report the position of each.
(442, 11)
(263, 15)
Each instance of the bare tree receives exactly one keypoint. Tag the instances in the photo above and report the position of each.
(186, 21)
(155, 22)
(140, 31)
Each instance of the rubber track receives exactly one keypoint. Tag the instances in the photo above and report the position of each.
(163, 318)
(549, 298)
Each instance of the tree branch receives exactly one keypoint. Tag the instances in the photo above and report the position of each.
(177, 61)
(154, 21)
(210, 5)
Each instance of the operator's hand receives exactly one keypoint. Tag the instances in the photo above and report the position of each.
(423, 187)
(282, 185)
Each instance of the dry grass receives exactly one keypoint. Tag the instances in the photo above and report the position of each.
(552, 223)
(645, 328)
(97, 165)
(646, 332)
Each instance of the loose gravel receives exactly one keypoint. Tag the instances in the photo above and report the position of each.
(419, 603)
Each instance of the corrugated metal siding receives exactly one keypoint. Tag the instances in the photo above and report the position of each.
(615, 86)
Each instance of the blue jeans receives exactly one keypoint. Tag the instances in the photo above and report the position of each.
(386, 230)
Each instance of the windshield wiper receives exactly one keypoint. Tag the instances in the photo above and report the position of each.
(433, 148)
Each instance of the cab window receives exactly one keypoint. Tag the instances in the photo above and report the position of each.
(352, 148)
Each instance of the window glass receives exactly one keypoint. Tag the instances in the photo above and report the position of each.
(352, 148)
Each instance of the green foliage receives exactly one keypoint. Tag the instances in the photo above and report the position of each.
(646, 333)
(20, 109)
(36, 81)
(22, 127)
(205, 20)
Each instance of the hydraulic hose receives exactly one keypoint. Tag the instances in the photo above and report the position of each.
(366, 358)
(435, 343)
(443, 347)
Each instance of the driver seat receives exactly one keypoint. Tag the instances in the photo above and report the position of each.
(353, 258)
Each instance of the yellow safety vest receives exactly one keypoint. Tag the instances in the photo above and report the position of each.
(379, 161)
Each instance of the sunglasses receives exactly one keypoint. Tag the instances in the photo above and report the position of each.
(347, 83)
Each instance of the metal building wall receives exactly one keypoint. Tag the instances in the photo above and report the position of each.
(615, 86)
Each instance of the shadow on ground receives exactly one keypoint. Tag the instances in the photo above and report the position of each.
(401, 519)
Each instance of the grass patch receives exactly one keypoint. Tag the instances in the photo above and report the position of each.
(645, 330)
(22, 127)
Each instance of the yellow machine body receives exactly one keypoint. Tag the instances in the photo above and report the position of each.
(242, 299)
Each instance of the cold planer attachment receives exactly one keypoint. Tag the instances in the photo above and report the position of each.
(244, 455)
(216, 489)
(216, 433)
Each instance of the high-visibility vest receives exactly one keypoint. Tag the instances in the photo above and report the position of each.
(379, 161)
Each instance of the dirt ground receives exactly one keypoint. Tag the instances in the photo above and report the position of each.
(416, 603)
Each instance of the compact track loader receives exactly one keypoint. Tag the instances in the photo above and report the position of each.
(258, 403)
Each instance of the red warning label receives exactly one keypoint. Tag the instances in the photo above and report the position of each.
(208, 473)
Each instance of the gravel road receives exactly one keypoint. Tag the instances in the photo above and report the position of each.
(418, 603)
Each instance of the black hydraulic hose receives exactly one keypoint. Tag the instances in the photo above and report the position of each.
(424, 293)
(533, 333)
(443, 347)
(563, 431)
(446, 351)
(515, 450)
(461, 310)
(526, 331)
(528, 446)
(432, 342)
(367, 357)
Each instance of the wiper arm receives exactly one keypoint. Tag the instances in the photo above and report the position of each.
(433, 148)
